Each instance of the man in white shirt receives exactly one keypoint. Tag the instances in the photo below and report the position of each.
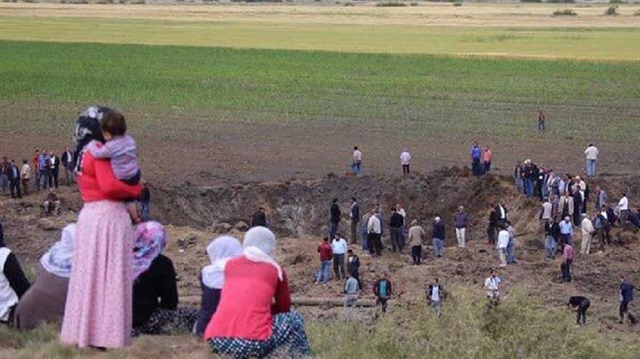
(587, 234)
(339, 249)
(357, 162)
(374, 233)
(592, 154)
(405, 159)
(623, 208)
(492, 285)
(435, 294)
(503, 242)
(546, 211)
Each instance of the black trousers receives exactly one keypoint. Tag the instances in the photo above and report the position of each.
(405, 169)
(375, 244)
(14, 187)
(582, 311)
(383, 303)
(416, 254)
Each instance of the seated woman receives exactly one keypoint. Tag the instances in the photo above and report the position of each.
(13, 283)
(155, 293)
(248, 322)
(220, 250)
(44, 302)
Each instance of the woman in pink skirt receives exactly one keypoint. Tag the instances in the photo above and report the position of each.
(98, 308)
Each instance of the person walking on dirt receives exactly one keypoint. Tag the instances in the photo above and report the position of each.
(416, 240)
(592, 155)
(626, 296)
(405, 161)
(374, 234)
(326, 255)
(567, 261)
(566, 231)
(353, 266)
(476, 153)
(492, 285)
(351, 291)
(511, 254)
(503, 242)
(546, 211)
(587, 234)
(339, 249)
(601, 198)
(403, 228)
(334, 220)
(382, 289)
(356, 165)
(580, 305)
(460, 222)
(487, 156)
(623, 209)
(438, 237)
(552, 233)
(354, 214)
(435, 294)
(395, 228)
(518, 172)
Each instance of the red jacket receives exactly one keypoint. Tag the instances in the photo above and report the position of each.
(246, 310)
(97, 182)
(326, 254)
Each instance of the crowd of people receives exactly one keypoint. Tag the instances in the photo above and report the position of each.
(107, 279)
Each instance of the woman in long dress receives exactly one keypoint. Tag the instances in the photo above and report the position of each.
(99, 300)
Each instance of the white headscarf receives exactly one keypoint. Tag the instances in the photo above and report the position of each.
(57, 260)
(220, 251)
(259, 246)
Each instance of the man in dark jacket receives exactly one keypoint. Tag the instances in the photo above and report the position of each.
(395, 228)
(435, 294)
(5, 174)
(438, 237)
(55, 170)
(335, 218)
(353, 266)
(580, 305)
(14, 180)
(383, 291)
(626, 296)
(493, 226)
(552, 234)
(67, 164)
(355, 218)
(259, 218)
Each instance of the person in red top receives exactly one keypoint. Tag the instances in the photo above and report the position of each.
(254, 316)
(98, 310)
(326, 256)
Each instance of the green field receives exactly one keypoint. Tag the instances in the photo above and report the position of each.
(569, 43)
(481, 96)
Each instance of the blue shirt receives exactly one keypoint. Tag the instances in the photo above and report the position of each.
(566, 227)
(475, 152)
(42, 161)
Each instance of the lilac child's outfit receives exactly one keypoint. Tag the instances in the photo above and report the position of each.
(122, 152)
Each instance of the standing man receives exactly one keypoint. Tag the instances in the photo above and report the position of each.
(351, 290)
(258, 219)
(374, 234)
(435, 294)
(501, 212)
(383, 290)
(335, 214)
(36, 169)
(405, 159)
(354, 214)
(566, 231)
(623, 208)
(492, 226)
(545, 211)
(356, 165)
(587, 234)
(43, 160)
(145, 200)
(580, 305)
(592, 155)
(487, 156)
(339, 249)
(626, 296)
(476, 153)
(364, 231)
(67, 163)
(503, 242)
(416, 240)
(55, 169)
(326, 255)
(14, 180)
(438, 237)
(511, 253)
(541, 122)
(567, 260)
(403, 228)
(552, 233)
(601, 198)
(395, 228)
(460, 222)
(353, 266)
(5, 173)
(25, 176)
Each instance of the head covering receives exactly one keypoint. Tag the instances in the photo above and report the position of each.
(87, 129)
(150, 241)
(437, 219)
(414, 222)
(220, 250)
(259, 246)
(58, 259)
